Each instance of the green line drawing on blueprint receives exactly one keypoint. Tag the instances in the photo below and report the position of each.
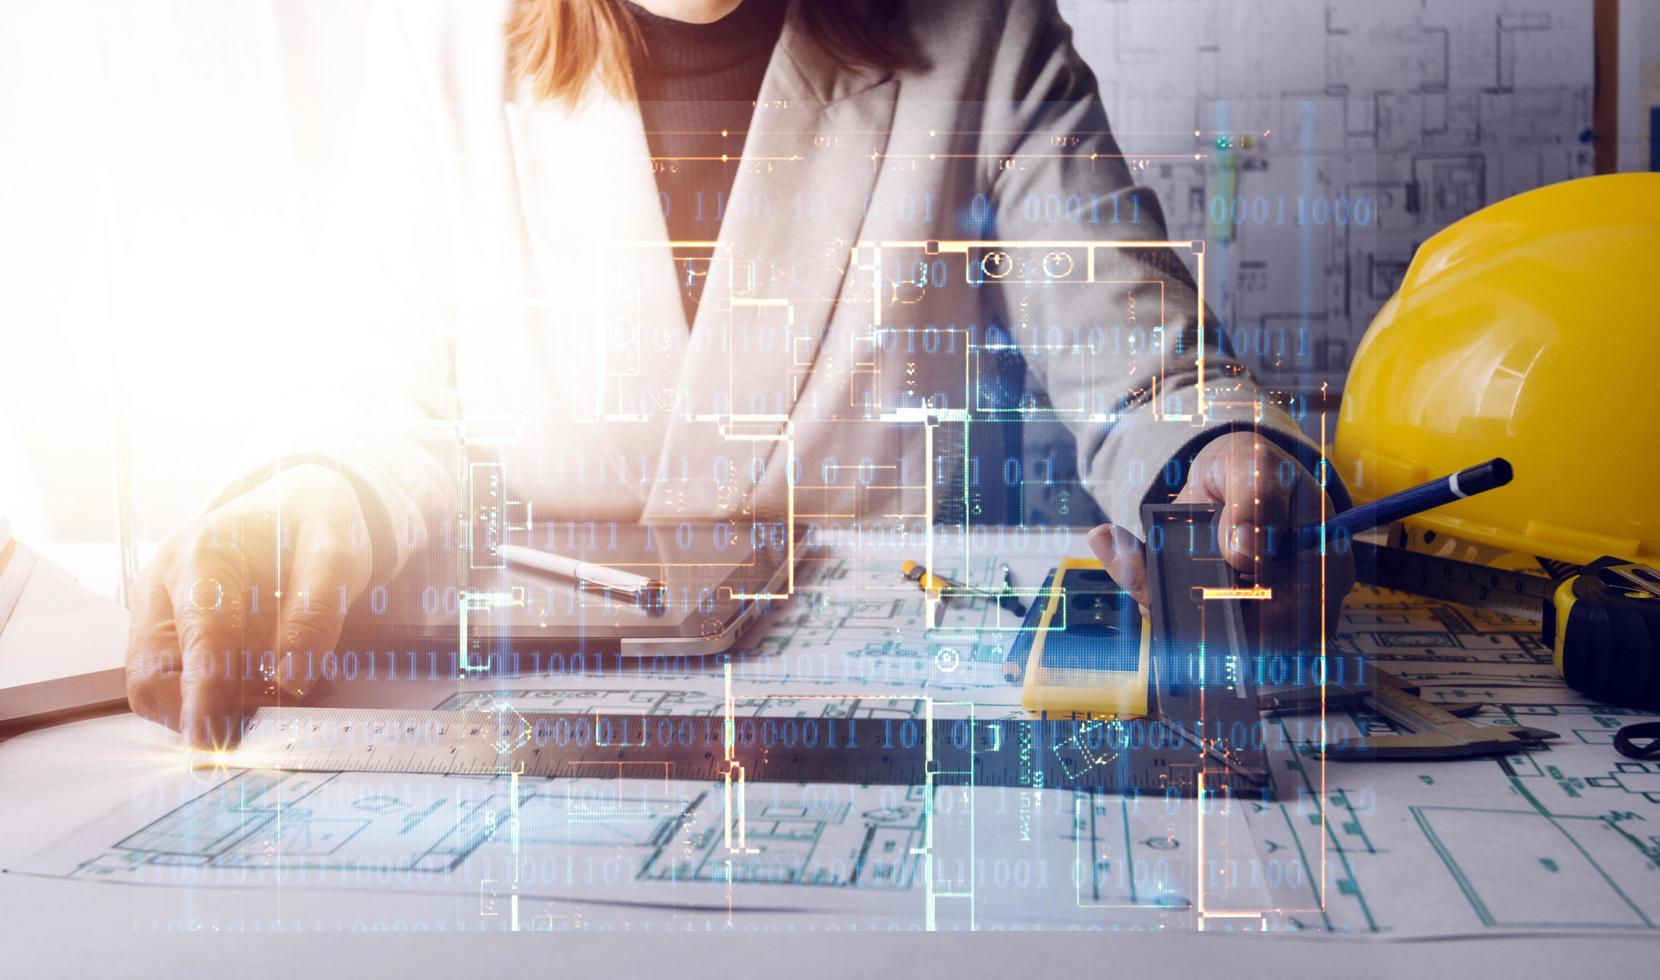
(1569, 849)
(337, 824)
(787, 843)
(1564, 885)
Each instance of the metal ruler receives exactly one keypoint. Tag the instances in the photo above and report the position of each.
(1142, 756)
(1517, 593)
(1430, 731)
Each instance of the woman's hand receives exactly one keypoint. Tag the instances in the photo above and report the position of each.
(1242, 472)
(224, 607)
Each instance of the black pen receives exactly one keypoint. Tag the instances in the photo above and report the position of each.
(1426, 496)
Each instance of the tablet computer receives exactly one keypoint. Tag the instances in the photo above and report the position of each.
(709, 581)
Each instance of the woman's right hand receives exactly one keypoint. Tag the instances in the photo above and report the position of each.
(235, 611)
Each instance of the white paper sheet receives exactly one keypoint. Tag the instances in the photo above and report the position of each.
(1557, 839)
(975, 858)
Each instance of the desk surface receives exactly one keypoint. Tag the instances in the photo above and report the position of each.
(104, 817)
(47, 926)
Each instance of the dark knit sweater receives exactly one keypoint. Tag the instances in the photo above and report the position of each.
(697, 85)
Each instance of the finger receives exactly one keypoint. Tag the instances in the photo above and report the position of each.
(209, 614)
(1193, 492)
(153, 675)
(324, 572)
(1120, 554)
(1254, 532)
(1252, 520)
(259, 632)
(153, 660)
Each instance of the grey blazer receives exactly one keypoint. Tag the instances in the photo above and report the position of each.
(890, 240)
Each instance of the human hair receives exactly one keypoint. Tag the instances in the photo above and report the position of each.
(562, 46)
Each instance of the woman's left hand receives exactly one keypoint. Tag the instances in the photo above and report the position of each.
(1242, 473)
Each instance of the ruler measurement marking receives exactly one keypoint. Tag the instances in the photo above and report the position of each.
(1515, 592)
(964, 752)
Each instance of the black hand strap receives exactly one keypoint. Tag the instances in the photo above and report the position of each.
(1649, 730)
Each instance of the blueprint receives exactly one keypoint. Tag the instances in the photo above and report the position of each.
(1313, 154)
(1559, 838)
(1410, 116)
(529, 848)
(1565, 837)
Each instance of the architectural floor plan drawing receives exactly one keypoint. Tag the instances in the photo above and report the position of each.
(1362, 848)
(639, 841)
(1313, 154)
(1422, 847)
(1330, 145)
(991, 856)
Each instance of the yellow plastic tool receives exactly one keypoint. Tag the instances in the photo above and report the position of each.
(1079, 619)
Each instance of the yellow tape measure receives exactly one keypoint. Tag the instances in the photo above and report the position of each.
(1604, 624)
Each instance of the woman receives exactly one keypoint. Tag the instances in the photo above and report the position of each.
(717, 257)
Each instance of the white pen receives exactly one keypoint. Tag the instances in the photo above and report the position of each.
(581, 572)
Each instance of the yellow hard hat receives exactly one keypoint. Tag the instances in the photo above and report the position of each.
(1528, 330)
